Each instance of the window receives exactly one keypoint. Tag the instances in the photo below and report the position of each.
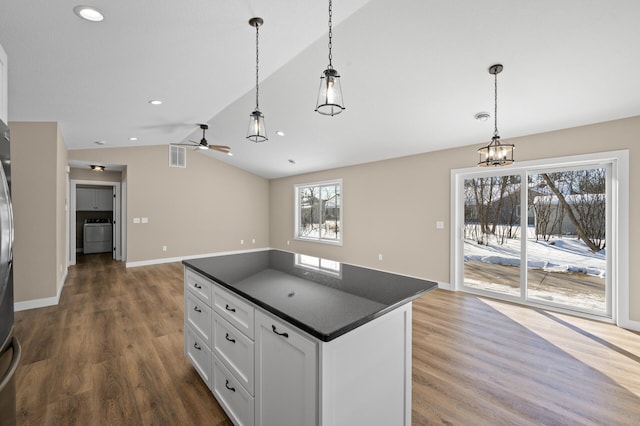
(319, 212)
(542, 232)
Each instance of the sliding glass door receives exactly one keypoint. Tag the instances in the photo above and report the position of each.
(537, 235)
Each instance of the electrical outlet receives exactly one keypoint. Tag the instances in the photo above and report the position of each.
(253, 241)
(164, 248)
(288, 242)
(241, 242)
(439, 224)
(380, 256)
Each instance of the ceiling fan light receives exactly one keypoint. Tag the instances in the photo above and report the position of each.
(257, 131)
(330, 94)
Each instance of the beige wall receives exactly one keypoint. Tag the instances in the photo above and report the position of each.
(88, 174)
(39, 197)
(403, 198)
(206, 207)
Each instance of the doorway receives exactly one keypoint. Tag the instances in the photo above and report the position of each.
(98, 204)
(542, 233)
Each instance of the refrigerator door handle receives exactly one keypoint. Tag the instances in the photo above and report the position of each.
(17, 353)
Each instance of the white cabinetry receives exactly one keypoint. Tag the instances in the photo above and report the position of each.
(95, 199)
(286, 374)
(4, 87)
(287, 377)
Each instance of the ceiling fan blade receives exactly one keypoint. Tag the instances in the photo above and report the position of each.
(221, 148)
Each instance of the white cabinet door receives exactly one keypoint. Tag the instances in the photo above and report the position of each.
(85, 199)
(94, 199)
(286, 374)
(104, 199)
(4, 87)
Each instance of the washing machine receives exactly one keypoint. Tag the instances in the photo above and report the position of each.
(98, 236)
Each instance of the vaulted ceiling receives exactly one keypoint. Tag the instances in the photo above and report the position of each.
(414, 73)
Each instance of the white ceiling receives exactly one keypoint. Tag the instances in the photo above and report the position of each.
(414, 73)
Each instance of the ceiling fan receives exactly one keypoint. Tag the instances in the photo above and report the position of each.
(203, 144)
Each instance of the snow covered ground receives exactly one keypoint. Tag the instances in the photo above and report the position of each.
(565, 254)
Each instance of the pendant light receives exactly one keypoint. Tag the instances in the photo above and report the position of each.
(330, 94)
(496, 153)
(257, 131)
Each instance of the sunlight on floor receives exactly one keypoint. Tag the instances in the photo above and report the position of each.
(591, 342)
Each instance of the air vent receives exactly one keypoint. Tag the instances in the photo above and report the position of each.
(177, 156)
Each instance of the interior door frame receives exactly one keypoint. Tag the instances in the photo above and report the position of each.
(119, 207)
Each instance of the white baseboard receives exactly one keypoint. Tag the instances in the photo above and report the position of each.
(195, 256)
(444, 286)
(46, 301)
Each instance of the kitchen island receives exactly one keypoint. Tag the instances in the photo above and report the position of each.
(288, 339)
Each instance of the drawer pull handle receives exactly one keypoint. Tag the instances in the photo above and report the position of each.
(198, 310)
(195, 345)
(226, 385)
(230, 339)
(273, 327)
(198, 286)
(229, 308)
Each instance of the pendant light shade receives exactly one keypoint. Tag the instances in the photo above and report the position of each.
(257, 131)
(496, 153)
(330, 94)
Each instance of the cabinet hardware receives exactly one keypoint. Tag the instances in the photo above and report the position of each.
(273, 327)
(230, 339)
(198, 286)
(229, 308)
(198, 310)
(195, 345)
(232, 389)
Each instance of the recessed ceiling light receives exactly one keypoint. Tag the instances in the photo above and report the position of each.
(100, 142)
(88, 13)
(280, 133)
(133, 138)
(155, 102)
(482, 116)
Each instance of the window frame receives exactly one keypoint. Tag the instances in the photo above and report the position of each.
(617, 248)
(297, 213)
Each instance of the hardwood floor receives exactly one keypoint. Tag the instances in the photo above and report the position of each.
(112, 353)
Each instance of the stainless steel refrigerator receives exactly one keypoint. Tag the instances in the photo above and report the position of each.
(10, 348)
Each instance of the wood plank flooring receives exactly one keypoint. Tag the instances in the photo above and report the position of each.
(111, 353)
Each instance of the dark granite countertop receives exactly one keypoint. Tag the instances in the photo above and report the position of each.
(326, 303)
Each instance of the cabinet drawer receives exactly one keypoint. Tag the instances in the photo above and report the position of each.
(199, 354)
(235, 350)
(233, 309)
(235, 400)
(198, 316)
(198, 285)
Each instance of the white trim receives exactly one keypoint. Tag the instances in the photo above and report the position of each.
(296, 215)
(118, 213)
(619, 236)
(194, 256)
(44, 302)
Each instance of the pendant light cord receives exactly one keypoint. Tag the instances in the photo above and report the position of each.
(257, 67)
(330, 34)
(495, 113)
